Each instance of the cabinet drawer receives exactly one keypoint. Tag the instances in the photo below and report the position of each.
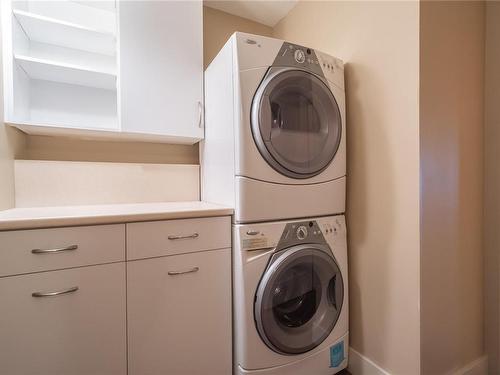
(158, 238)
(27, 251)
(179, 314)
(79, 332)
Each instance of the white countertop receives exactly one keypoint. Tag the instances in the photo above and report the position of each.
(44, 217)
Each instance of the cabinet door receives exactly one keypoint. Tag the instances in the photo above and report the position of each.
(161, 68)
(179, 314)
(80, 332)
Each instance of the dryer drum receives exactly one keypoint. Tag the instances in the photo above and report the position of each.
(299, 299)
(296, 122)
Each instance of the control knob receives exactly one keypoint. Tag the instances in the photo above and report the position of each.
(300, 56)
(301, 232)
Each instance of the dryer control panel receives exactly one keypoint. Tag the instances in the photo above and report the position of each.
(321, 64)
(297, 56)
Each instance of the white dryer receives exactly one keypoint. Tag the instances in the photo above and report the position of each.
(275, 136)
(290, 297)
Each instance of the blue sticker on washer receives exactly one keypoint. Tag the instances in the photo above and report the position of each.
(337, 354)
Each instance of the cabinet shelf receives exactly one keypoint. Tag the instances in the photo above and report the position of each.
(66, 34)
(48, 70)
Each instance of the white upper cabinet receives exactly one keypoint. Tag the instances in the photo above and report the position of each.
(161, 68)
(104, 69)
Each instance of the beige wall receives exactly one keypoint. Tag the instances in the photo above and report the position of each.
(451, 149)
(492, 186)
(379, 41)
(218, 27)
(91, 183)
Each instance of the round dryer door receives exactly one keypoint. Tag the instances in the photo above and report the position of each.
(299, 299)
(296, 122)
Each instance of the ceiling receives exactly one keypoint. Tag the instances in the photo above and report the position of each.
(268, 12)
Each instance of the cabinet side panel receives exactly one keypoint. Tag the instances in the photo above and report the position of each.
(217, 151)
(10, 140)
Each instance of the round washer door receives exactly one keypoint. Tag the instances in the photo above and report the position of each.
(296, 122)
(299, 299)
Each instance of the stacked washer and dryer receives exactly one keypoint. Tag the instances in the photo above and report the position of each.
(275, 150)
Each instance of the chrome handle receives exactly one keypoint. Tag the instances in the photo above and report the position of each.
(175, 273)
(56, 293)
(200, 114)
(253, 232)
(189, 236)
(50, 251)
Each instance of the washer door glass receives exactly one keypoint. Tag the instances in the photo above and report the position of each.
(299, 299)
(296, 122)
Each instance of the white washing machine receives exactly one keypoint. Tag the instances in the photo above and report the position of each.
(275, 133)
(290, 297)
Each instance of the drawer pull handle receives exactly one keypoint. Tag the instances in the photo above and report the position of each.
(175, 273)
(190, 236)
(50, 251)
(57, 293)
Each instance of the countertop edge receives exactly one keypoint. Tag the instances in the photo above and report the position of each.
(22, 223)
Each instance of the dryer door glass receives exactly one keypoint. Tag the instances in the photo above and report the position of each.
(299, 299)
(296, 122)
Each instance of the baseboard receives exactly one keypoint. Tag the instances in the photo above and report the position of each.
(360, 365)
(477, 367)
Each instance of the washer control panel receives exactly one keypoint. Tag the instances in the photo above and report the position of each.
(301, 232)
(279, 235)
(333, 227)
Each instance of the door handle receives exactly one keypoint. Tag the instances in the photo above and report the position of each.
(56, 293)
(51, 251)
(200, 115)
(189, 236)
(176, 273)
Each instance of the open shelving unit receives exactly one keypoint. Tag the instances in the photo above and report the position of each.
(60, 63)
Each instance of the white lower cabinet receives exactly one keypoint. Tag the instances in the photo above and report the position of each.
(63, 312)
(179, 314)
(79, 331)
